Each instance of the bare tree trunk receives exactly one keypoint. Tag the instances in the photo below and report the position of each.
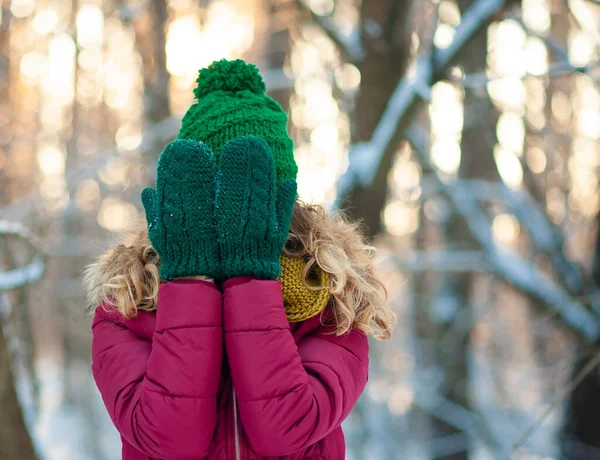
(423, 325)
(480, 114)
(477, 162)
(151, 43)
(4, 93)
(158, 91)
(279, 45)
(72, 224)
(385, 33)
(580, 436)
(15, 442)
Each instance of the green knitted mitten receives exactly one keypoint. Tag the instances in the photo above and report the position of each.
(180, 211)
(253, 215)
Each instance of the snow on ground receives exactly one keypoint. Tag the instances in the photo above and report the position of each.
(60, 429)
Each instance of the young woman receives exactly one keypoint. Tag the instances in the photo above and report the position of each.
(233, 326)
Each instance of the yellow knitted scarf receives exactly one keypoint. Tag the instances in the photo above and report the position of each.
(300, 301)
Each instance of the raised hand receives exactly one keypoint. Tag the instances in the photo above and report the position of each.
(252, 214)
(180, 213)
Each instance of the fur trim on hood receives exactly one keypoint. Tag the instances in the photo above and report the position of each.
(129, 270)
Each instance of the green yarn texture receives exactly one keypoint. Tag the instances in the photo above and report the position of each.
(179, 213)
(253, 214)
(219, 222)
(231, 103)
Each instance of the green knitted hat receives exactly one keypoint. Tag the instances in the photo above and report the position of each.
(231, 104)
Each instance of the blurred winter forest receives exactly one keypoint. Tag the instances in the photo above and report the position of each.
(465, 134)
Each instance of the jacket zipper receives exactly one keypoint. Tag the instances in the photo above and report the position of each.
(235, 427)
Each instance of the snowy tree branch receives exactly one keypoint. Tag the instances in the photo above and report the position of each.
(472, 20)
(546, 238)
(509, 266)
(469, 422)
(365, 157)
(444, 446)
(555, 69)
(276, 80)
(555, 48)
(585, 17)
(439, 261)
(349, 45)
(561, 52)
(20, 276)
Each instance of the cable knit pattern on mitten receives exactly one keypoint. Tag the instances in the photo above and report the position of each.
(252, 214)
(180, 211)
(226, 188)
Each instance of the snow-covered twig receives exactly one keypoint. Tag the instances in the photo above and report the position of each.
(555, 69)
(20, 276)
(447, 411)
(365, 157)
(556, 49)
(349, 45)
(590, 366)
(507, 265)
(585, 17)
(472, 20)
(546, 238)
(276, 79)
(465, 420)
(444, 446)
(439, 261)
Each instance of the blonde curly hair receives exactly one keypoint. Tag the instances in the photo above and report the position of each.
(127, 276)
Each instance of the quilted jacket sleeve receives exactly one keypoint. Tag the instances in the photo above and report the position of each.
(289, 396)
(161, 395)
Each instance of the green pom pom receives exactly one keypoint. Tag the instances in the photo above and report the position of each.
(232, 76)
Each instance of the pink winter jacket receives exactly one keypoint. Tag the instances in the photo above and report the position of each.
(214, 375)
